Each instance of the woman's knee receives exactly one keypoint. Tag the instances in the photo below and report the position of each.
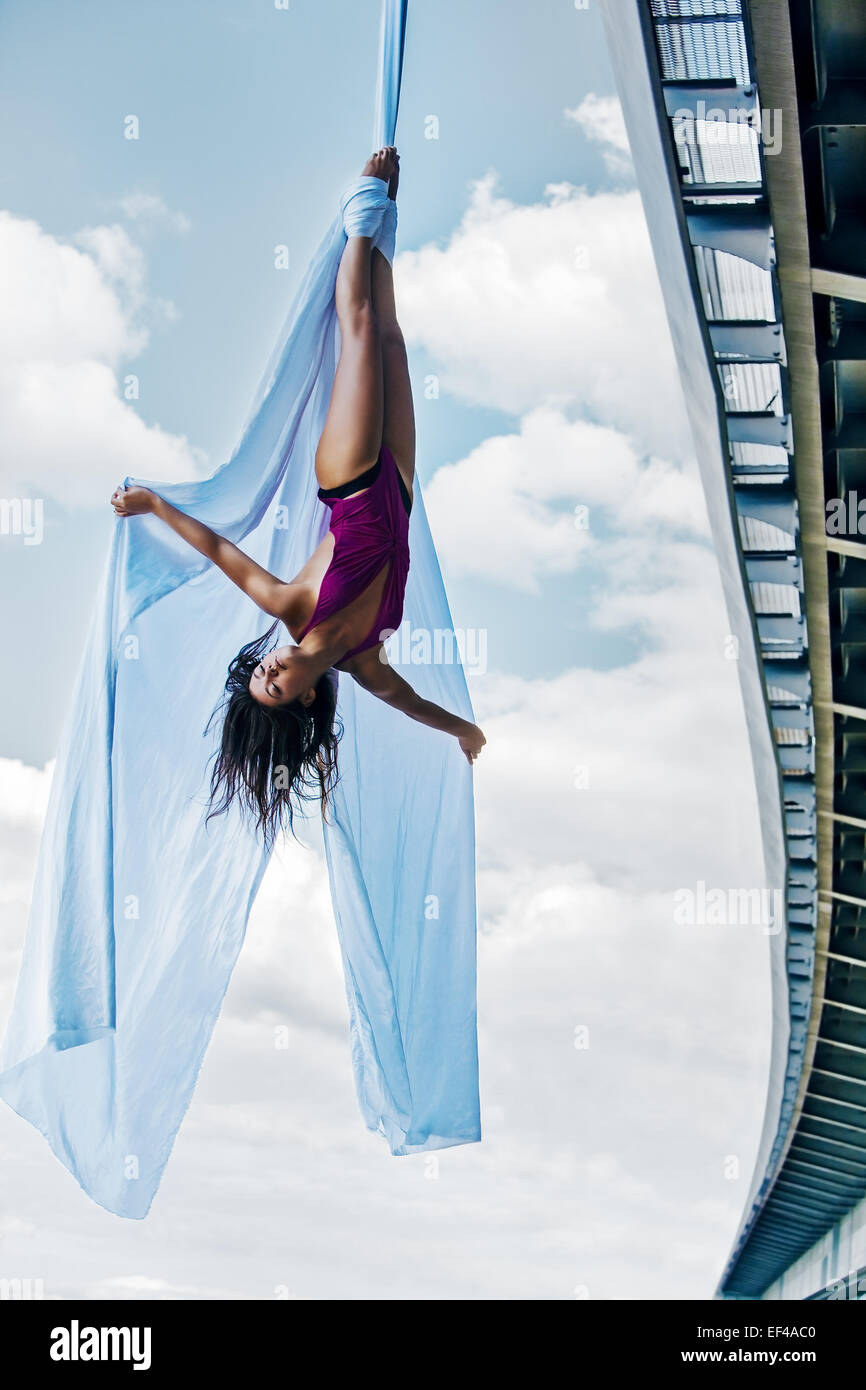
(391, 336)
(358, 320)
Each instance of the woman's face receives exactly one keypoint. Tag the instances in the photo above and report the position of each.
(281, 676)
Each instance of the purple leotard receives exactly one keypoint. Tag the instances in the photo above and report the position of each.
(370, 530)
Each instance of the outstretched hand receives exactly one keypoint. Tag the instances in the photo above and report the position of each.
(132, 501)
(472, 742)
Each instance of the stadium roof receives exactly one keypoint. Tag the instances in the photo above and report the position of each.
(747, 120)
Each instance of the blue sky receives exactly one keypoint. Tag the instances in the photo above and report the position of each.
(526, 285)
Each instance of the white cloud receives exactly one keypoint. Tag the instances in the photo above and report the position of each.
(23, 793)
(601, 1166)
(75, 318)
(554, 303)
(23, 798)
(151, 210)
(118, 259)
(655, 740)
(57, 302)
(527, 486)
(601, 120)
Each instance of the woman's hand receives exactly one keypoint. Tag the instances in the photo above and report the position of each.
(471, 742)
(132, 501)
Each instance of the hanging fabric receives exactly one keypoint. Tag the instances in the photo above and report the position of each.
(139, 908)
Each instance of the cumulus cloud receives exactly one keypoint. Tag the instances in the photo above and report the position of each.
(552, 303)
(539, 491)
(618, 1049)
(590, 764)
(23, 798)
(75, 318)
(23, 793)
(58, 301)
(119, 261)
(151, 211)
(602, 121)
(622, 1079)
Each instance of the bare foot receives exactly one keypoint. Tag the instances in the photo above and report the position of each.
(382, 164)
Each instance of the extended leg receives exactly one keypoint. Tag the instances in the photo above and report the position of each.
(353, 428)
(398, 425)
(352, 434)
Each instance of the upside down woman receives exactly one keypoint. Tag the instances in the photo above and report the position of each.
(279, 733)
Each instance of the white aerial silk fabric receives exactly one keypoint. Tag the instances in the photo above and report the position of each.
(139, 909)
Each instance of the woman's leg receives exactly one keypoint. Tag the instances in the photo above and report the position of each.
(398, 426)
(352, 435)
(353, 429)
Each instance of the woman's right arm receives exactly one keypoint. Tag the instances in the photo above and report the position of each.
(271, 594)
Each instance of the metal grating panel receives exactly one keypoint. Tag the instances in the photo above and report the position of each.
(773, 599)
(760, 457)
(733, 288)
(718, 152)
(703, 50)
(696, 9)
(753, 386)
(760, 537)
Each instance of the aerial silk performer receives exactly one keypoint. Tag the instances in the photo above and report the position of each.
(164, 809)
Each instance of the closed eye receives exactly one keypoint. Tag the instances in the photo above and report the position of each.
(271, 690)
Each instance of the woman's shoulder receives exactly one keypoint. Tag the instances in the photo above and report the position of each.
(297, 600)
(365, 667)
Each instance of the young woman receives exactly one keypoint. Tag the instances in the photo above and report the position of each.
(279, 734)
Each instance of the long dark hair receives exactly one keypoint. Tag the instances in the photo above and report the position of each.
(273, 759)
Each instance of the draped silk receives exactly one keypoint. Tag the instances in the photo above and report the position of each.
(139, 908)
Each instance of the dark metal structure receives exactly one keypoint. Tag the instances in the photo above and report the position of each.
(747, 120)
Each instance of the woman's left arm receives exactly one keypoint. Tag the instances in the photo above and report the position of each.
(382, 681)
